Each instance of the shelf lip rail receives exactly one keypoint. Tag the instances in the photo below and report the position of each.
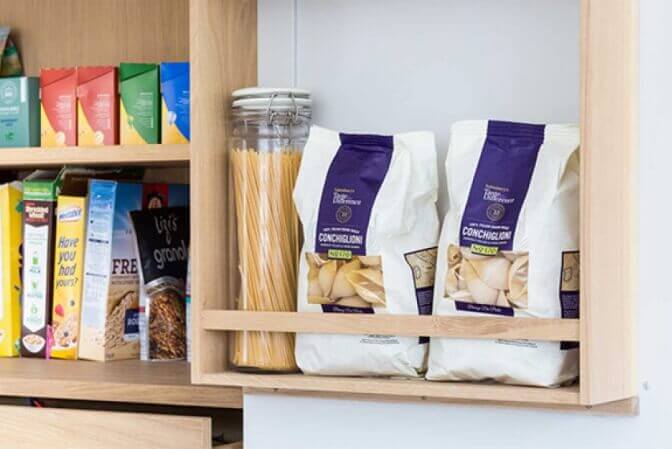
(541, 329)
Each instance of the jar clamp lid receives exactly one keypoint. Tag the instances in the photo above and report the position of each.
(285, 102)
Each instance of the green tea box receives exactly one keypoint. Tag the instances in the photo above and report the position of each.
(140, 109)
(19, 112)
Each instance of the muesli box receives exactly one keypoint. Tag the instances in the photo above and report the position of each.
(110, 308)
(11, 218)
(40, 191)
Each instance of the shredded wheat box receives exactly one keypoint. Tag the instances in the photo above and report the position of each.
(11, 217)
(40, 191)
(110, 307)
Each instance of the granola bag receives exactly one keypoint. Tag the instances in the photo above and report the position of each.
(162, 239)
(368, 208)
(509, 248)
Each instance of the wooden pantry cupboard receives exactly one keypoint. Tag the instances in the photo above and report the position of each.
(219, 39)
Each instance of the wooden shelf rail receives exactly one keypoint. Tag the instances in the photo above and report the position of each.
(402, 325)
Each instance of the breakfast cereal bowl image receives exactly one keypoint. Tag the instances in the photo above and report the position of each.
(34, 343)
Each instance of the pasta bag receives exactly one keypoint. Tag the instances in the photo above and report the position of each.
(509, 248)
(368, 208)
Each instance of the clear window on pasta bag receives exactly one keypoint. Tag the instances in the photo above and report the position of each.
(162, 242)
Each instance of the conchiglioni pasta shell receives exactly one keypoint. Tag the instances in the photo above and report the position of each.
(314, 288)
(368, 284)
(462, 295)
(480, 291)
(370, 261)
(454, 255)
(315, 260)
(319, 300)
(517, 282)
(493, 271)
(327, 276)
(341, 287)
(452, 280)
(501, 300)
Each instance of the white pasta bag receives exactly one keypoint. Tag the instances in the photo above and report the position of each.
(368, 208)
(509, 247)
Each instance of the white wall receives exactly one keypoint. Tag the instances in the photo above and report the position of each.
(393, 65)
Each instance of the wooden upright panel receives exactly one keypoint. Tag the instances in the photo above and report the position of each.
(610, 122)
(58, 33)
(223, 58)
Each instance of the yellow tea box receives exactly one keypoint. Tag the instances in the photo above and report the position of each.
(11, 237)
(68, 272)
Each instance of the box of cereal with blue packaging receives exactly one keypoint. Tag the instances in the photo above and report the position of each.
(110, 308)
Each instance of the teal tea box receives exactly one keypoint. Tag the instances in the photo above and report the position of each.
(19, 112)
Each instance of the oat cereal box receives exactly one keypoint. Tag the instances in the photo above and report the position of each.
(68, 271)
(58, 93)
(40, 191)
(10, 268)
(110, 308)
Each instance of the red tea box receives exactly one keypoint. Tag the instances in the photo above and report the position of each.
(97, 106)
(58, 92)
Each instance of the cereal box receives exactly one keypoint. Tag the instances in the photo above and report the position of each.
(68, 272)
(140, 122)
(10, 268)
(40, 190)
(19, 112)
(175, 101)
(110, 308)
(97, 106)
(59, 107)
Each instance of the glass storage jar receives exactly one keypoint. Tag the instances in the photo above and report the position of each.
(270, 128)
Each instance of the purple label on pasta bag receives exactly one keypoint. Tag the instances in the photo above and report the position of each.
(500, 186)
(350, 189)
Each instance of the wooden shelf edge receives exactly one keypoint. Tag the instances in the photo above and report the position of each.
(398, 389)
(129, 381)
(403, 325)
(161, 154)
(625, 407)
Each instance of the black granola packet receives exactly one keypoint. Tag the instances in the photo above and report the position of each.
(162, 242)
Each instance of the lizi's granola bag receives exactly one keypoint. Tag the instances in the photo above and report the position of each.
(111, 307)
(162, 243)
(509, 248)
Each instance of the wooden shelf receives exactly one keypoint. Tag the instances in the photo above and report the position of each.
(399, 389)
(133, 381)
(145, 155)
(402, 325)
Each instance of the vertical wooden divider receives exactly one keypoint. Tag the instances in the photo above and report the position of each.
(609, 189)
(223, 48)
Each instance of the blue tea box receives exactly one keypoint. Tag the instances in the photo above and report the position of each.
(19, 112)
(175, 102)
